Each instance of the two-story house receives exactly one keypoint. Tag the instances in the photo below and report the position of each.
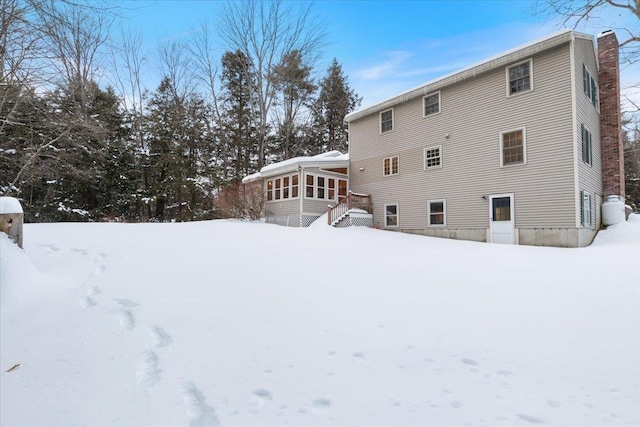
(519, 148)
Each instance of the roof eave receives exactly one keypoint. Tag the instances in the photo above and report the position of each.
(501, 60)
(298, 165)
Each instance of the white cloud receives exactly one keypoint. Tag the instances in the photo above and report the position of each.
(393, 62)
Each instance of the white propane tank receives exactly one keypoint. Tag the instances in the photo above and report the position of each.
(613, 211)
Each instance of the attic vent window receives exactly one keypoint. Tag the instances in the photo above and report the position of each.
(519, 77)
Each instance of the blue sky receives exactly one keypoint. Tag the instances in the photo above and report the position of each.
(386, 47)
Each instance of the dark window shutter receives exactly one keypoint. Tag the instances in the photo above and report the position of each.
(584, 144)
(582, 207)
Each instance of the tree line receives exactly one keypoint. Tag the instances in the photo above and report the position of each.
(73, 150)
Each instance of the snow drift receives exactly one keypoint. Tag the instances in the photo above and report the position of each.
(226, 323)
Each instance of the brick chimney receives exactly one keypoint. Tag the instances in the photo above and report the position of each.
(610, 115)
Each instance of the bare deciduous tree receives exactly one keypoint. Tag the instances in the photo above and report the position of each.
(175, 65)
(265, 32)
(576, 12)
(75, 35)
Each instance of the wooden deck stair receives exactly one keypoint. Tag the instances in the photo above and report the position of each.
(356, 205)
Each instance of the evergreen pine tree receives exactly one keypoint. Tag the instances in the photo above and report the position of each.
(335, 101)
(295, 89)
(239, 145)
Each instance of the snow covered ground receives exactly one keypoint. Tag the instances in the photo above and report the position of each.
(227, 323)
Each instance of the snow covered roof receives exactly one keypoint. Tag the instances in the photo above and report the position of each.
(500, 60)
(10, 205)
(331, 159)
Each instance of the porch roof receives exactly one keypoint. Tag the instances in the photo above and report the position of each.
(331, 159)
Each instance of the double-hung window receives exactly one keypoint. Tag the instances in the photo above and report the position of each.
(431, 104)
(386, 121)
(436, 210)
(391, 215)
(391, 166)
(520, 77)
(513, 147)
(433, 157)
(587, 146)
(270, 190)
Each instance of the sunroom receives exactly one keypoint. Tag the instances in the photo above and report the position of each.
(299, 190)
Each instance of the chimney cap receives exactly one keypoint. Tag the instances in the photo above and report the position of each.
(606, 33)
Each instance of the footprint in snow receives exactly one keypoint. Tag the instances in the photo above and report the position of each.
(321, 404)
(126, 319)
(160, 337)
(262, 396)
(125, 315)
(358, 355)
(147, 372)
(198, 412)
(86, 302)
(534, 420)
(125, 303)
(470, 362)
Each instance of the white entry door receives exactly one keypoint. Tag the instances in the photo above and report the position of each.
(501, 219)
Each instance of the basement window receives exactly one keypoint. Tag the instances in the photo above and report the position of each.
(436, 212)
(586, 212)
(391, 215)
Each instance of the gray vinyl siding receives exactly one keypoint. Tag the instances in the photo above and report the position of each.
(282, 207)
(473, 114)
(287, 207)
(589, 176)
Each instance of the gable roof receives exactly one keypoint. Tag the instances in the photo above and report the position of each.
(331, 159)
(497, 61)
